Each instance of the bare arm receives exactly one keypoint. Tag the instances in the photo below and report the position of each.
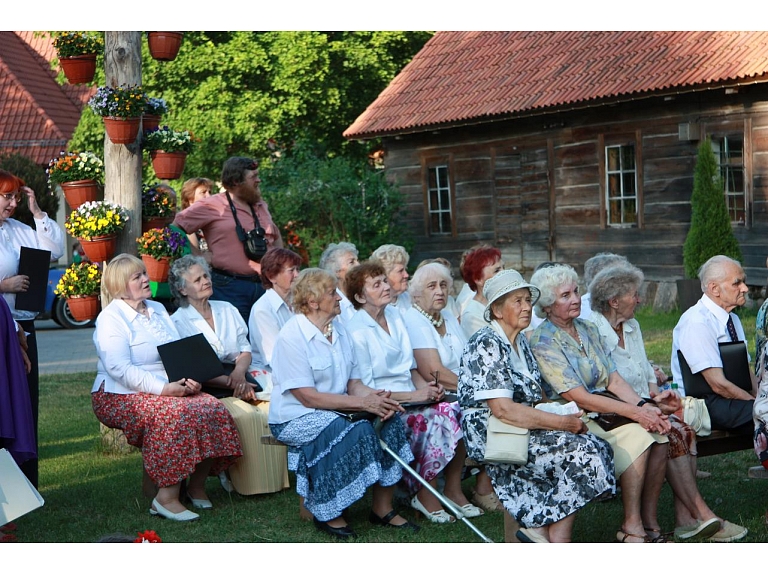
(360, 398)
(428, 362)
(529, 418)
(715, 377)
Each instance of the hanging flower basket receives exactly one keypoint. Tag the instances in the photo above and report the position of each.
(164, 46)
(150, 122)
(168, 165)
(155, 222)
(79, 69)
(157, 269)
(122, 130)
(80, 191)
(83, 307)
(100, 248)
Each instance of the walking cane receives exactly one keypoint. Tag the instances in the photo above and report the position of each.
(377, 425)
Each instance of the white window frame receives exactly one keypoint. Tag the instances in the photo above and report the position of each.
(721, 146)
(442, 190)
(623, 195)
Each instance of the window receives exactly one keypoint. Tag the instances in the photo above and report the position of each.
(621, 185)
(729, 151)
(439, 200)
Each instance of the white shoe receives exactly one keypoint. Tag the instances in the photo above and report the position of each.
(225, 482)
(161, 511)
(434, 516)
(469, 510)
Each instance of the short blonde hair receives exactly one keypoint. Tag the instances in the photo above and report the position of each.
(117, 273)
(390, 255)
(311, 284)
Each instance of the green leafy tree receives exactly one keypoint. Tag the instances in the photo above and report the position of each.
(241, 92)
(34, 176)
(318, 199)
(710, 233)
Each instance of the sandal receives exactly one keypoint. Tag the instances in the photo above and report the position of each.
(434, 516)
(660, 537)
(622, 537)
(488, 502)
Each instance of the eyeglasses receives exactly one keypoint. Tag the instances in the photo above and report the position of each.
(9, 197)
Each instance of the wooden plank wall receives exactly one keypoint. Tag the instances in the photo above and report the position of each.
(507, 176)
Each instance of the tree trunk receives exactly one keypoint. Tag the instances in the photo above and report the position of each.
(122, 163)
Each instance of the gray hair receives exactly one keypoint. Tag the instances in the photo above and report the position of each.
(390, 255)
(425, 274)
(713, 270)
(177, 276)
(330, 260)
(548, 280)
(613, 282)
(599, 262)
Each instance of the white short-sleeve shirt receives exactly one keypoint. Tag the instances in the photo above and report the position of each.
(303, 357)
(268, 315)
(385, 359)
(424, 336)
(697, 334)
(231, 336)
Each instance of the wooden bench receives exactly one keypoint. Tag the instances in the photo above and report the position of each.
(723, 442)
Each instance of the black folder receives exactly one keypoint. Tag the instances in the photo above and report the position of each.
(191, 357)
(34, 264)
(735, 368)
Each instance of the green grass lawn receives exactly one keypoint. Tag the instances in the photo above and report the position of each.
(89, 493)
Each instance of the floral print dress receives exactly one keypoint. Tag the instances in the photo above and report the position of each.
(564, 472)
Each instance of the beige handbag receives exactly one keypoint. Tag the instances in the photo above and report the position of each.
(696, 415)
(506, 443)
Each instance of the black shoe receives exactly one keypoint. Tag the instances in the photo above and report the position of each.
(338, 532)
(385, 521)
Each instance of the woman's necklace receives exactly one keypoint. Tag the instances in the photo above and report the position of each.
(432, 320)
(328, 331)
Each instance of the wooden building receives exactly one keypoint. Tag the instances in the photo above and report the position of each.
(559, 145)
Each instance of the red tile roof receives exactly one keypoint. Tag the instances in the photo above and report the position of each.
(37, 115)
(467, 77)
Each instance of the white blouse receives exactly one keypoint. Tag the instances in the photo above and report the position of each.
(14, 235)
(126, 345)
(631, 360)
(231, 336)
(385, 359)
(472, 318)
(424, 336)
(303, 357)
(347, 309)
(268, 315)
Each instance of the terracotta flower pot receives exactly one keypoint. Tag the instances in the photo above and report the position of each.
(122, 130)
(168, 165)
(157, 270)
(80, 191)
(155, 222)
(101, 248)
(83, 307)
(79, 69)
(164, 45)
(150, 122)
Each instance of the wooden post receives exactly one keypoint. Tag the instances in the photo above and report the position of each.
(122, 163)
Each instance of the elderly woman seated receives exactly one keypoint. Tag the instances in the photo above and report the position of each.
(180, 431)
(478, 266)
(577, 366)
(338, 259)
(385, 358)
(262, 468)
(614, 297)
(567, 467)
(395, 260)
(315, 376)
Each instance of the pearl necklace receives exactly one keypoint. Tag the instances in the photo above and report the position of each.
(328, 332)
(432, 320)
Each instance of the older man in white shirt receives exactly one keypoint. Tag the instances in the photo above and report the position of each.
(698, 333)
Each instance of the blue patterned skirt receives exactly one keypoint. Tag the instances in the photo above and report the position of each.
(336, 461)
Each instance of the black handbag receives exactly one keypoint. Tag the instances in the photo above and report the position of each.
(255, 241)
(609, 421)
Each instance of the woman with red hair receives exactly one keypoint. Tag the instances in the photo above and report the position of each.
(14, 235)
(478, 266)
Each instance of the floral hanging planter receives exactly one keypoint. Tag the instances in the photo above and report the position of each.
(100, 248)
(157, 269)
(156, 222)
(79, 69)
(83, 307)
(168, 165)
(150, 122)
(122, 130)
(164, 46)
(80, 191)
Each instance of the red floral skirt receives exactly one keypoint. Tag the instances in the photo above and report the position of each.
(173, 433)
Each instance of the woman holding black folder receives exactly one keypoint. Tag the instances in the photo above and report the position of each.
(181, 432)
(14, 235)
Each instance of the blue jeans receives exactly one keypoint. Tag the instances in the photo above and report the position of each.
(241, 293)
